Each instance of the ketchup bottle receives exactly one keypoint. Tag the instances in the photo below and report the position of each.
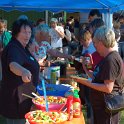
(76, 105)
(70, 107)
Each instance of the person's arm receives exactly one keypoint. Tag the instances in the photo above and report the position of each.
(68, 35)
(20, 71)
(1, 48)
(73, 36)
(60, 33)
(56, 53)
(89, 73)
(107, 87)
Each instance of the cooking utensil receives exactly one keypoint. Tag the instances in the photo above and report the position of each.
(27, 96)
(36, 95)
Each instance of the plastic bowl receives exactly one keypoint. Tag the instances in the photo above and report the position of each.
(51, 106)
(30, 118)
(54, 89)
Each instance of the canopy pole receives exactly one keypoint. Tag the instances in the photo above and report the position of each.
(117, 6)
(108, 19)
(46, 16)
(64, 16)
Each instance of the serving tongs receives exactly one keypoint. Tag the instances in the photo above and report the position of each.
(34, 94)
(23, 94)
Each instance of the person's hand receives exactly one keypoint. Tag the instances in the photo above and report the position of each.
(74, 78)
(48, 63)
(56, 29)
(71, 58)
(84, 65)
(26, 76)
(36, 47)
(83, 61)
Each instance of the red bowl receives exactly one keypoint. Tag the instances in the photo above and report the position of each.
(51, 106)
(29, 118)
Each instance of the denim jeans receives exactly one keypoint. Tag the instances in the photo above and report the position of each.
(121, 49)
(15, 121)
(0, 70)
(84, 95)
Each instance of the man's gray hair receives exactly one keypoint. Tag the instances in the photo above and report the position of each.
(106, 36)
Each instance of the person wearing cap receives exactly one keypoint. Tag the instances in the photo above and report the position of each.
(57, 34)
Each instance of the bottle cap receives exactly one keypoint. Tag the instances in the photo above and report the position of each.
(76, 94)
(70, 97)
(53, 70)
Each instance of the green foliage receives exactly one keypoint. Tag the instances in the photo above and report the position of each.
(13, 15)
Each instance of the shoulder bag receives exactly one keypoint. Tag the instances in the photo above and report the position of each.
(114, 102)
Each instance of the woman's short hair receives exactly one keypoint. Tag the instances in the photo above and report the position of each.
(18, 24)
(42, 28)
(85, 35)
(106, 36)
(22, 17)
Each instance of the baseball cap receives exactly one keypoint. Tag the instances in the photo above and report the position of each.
(54, 20)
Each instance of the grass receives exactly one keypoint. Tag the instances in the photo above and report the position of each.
(2, 120)
(122, 117)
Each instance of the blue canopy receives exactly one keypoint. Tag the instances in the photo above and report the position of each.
(62, 5)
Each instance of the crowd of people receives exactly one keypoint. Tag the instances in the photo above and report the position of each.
(29, 47)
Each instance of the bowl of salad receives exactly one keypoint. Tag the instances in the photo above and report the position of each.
(42, 117)
(55, 103)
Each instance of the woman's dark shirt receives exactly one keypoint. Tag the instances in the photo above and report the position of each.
(13, 104)
(70, 27)
(110, 68)
(64, 40)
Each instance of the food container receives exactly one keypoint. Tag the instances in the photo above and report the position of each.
(54, 89)
(54, 103)
(47, 71)
(40, 117)
(62, 64)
